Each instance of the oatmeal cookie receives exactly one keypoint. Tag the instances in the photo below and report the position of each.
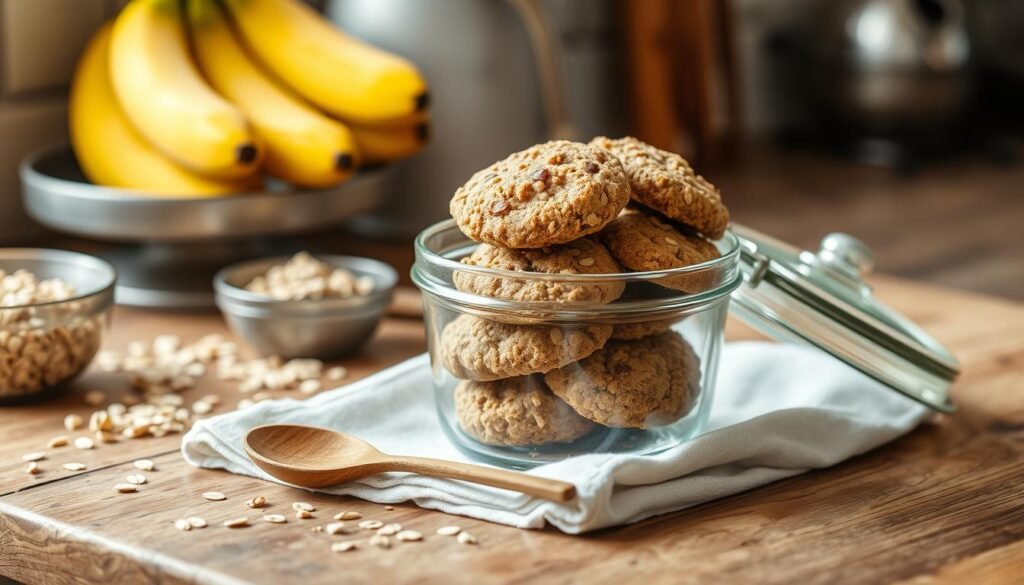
(582, 256)
(642, 329)
(649, 382)
(642, 242)
(548, 194)
(479, 349)
(516, 411)
(666, 183)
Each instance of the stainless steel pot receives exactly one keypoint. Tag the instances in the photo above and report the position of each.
(893, 66)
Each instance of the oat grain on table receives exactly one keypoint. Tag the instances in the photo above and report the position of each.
(582, 256)
(516, 411)
(645, 383)
(666, 183)
(473, 348)
(548, 194)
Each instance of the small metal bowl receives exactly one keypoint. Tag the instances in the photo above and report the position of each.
(310, 328)
(44, 346)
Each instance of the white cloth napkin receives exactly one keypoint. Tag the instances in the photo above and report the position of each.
(779, 410)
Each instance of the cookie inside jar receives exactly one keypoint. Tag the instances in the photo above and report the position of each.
(648, 382)
(576, 320)
(519, 411)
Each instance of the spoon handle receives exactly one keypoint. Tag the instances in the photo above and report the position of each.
(541, 487)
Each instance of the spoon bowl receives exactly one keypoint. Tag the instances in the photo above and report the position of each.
(315, 457)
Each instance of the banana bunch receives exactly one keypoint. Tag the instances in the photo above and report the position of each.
(200, 97)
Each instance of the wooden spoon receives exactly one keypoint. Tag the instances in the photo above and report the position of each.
(314, 457)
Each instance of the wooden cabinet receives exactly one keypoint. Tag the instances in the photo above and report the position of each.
(40, 41)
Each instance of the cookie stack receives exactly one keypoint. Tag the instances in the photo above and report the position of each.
(560, 208)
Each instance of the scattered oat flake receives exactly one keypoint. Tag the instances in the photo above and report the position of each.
(348, 515)
(74, 466)
(236, 522)
(100, 421)
(214, 496)
(389, 508)
(345, 546)
(126, 488)
(335, 527)
(136, 478)
(317, 528)
(144, 465)
(309, 386)
(275, 518)
(32, 468)
(448, 530)
(303, 506)
(37, 456)
(257, 502)
(303, 514)
(389, 529)
(336, 373)
(466, 538)
(84, 443)
(182, 524)
(56, 442)
(196, 522)
(371, 524)
(73, 422)
(105, 437)
(380, 541)
(409, 536)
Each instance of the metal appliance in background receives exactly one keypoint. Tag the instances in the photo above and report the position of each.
(503, 76)
(893, 74)
(996, 29)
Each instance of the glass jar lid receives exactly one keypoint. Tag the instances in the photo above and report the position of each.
(821, 299)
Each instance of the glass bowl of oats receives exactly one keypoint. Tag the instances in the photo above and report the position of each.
(54, 313)
(322, 306)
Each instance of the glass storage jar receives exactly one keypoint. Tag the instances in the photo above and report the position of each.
(523, 377)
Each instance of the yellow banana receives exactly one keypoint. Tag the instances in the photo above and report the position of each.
(389, 144)
(109, 150)
(341, 75)
(167, 100)
(303, 146)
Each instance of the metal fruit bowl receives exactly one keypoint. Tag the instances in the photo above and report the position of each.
(185, 239)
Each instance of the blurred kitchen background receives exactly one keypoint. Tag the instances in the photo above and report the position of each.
(898, 121)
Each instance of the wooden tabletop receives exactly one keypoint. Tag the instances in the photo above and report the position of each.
(943, 504)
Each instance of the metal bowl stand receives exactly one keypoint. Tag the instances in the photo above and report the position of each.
(172, 246)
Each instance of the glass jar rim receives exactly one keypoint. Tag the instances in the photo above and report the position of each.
(102, 267)
(425, 253)
(427, 259)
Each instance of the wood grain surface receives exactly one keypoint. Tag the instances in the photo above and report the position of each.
(944, 504)
(953, 223)
(25, 429)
